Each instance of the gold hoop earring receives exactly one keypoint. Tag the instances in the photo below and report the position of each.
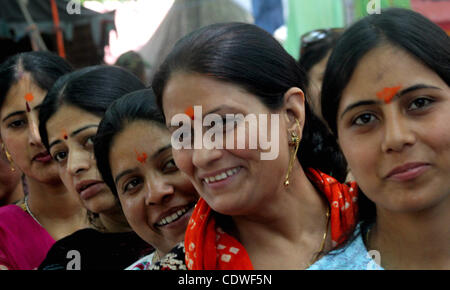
(8, 156)
(295, 142)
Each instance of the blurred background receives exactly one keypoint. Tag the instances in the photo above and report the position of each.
(95, 32)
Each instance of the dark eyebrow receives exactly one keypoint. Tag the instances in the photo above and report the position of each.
(20, 112)
(122, 174)
(400, 94)
(358, 104)
(162, 149)
(416, 87)
(13, 114)
(74, 133)
(53, 144)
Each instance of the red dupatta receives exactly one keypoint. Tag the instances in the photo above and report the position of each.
(208, 247)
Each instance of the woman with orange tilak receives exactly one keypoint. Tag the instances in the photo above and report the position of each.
(49, 212)
(391, 119)
(255, 214)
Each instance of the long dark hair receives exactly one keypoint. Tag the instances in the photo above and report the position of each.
(92, 89)
(401, 28)
(139, 105)
(44, 67)
(249, 57)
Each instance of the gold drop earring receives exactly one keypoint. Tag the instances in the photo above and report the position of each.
(8, 156)
(294, 142)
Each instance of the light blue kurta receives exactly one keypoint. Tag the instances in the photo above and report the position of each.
(353, 256)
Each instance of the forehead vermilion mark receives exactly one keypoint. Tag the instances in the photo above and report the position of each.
(141, 157)
(387, 94)
(29, 97)
(190, 112)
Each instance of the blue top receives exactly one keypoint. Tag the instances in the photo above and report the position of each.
(353, 256)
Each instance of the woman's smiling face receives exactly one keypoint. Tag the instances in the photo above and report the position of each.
(232, 181)
(156, 197)
(393, 129)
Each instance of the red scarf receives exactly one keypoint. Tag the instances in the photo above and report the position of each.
(209, 248)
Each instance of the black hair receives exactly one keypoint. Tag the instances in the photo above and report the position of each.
(249, 57)
(92, 89)
(317, 51)
(402, 28)
(139, 105)
(44, 67)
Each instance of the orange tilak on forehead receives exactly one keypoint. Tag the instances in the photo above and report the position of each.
(28, 98)
(387, 94)
(141, 157)
(190, 112)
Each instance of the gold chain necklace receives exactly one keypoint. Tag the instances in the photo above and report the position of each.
(29, 211)
(322, 246)
(368, 236)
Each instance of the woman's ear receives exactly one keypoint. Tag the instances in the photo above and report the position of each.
(294, 108)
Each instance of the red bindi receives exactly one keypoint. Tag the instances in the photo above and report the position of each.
(142, 158)
(64, 134)
(387, 94)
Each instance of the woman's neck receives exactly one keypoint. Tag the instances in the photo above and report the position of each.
(57, 210)
(293, 220)
(114, 221)
(418, 240)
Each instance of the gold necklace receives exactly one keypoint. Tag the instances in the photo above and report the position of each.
(27, 208)
(367, 237)
(322, 246)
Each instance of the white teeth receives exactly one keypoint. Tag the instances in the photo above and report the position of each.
(175, 216)
(221, 176)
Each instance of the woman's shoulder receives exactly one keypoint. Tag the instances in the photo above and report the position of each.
(89, 239)
(352, 256)
(80, 237)
(23, 242)
(15, 221)
(10, 210)
(97, 248)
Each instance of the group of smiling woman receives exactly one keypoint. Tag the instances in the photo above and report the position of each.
(103, 179)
